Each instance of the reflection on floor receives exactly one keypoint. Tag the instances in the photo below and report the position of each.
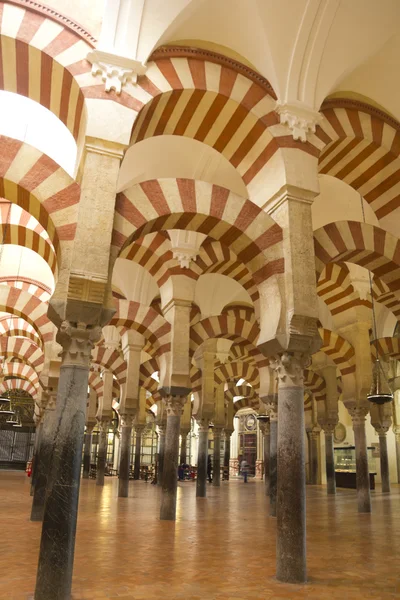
(220, 548)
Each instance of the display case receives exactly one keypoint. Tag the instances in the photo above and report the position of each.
(345, 466)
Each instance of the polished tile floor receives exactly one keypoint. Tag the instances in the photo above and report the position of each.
(221, 548)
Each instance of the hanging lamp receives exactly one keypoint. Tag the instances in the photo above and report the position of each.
(380, 392)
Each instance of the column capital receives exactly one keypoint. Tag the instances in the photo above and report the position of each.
(289, 367)
(228, 433)
(328, 425)
(77, 341)
(126, 419)
(265, 427)
(140, 427)
(358, 414)
(174, 405)
(204, 425)
(104, 424)
(217, 430)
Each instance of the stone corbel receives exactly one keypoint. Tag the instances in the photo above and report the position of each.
(299, 119)
(115, 70)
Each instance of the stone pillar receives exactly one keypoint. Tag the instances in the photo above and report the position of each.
(384, 460)
(201, 481)
(227, 452)
(329, 459)
(138, 447)
(273, 463)
(397, 436)
(358, 415)
(216, 480)
(36, 452)
(87, 451)
(161, 449)
(314, 438)
(183, 458)
(265, 428)
(56, 556)
(291, 499)
(171, 453)
(44, 458)
(104, 426)
(124, 456)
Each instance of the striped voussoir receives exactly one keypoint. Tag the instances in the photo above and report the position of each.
(187, 204)
(110, 359)
(18, 384)
(146, 320)
(147, 369)
(337, 291)
(22, 304)
(223, 326)
(24, 350)
(33, 287)
(198, 97)
(339, 350)
(150, 385)
(240, 311)
(307, 400)
(195, 379)
(15, 326)
(383, 295)
(21, 371)
(315, 384)
(22, 236)
(386, 347)
(235, 371)
(361, 147)
(96, 383)
(40, 187)
(246, 397)
(362, 244)
(45, 61)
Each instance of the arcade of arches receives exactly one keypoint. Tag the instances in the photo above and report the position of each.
(199, 262)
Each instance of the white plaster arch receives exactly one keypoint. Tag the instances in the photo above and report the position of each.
(214, 291)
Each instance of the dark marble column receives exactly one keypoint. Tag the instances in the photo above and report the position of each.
(171, 455)
(273, 463)
(202, 457)
(227, 451)
(35, 458)
(314, 438)
(161, 450)
(362, 472)
(330, 462)
(397, 436)
(44, 458)
(104, 426)
(216, 480)
(138, 448)
(384, 460)
(124, 456)
(182, 458)
(56, 556)
(291, 497)
(266, 431)
(87, 451)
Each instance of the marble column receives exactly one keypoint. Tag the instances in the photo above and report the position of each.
(56, 556)
(124, 456)
(36, 453)
(291, 496)
(329, 460)
(161, 449)
(273, 463)
(201, 481)
(358, 415)
(397, 436)
(138, 448)
(171, 455)
(183, 458)
(87, 452)
(227, 452)
(314, 438)
(216, 480)
(266, 431)
(44, 458)
(104, 426)
(384, 461)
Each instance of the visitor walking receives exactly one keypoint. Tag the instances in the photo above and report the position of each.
(244, 468)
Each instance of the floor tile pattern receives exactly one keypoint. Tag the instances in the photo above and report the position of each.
(220, 548)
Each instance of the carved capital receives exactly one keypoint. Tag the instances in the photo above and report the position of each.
(77, 341)
(204, 425)
(358, 414)
(114, 70)
(289, 368)
(104, 425)
(161, 430)
(265, 427)
(228, 433)
(271, 405)
(174, 405)
(329, 425)
(299, 119)
(126, 420)
(217, 431)
(140, 428)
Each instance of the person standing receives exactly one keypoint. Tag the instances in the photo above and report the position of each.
(244, 468)
(209, 469)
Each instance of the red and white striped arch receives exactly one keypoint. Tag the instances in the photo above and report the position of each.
(31, 309)
(215, 211)
(146, 320)
(21, 371)
(235, 371)
(386, 347)
(339, 350)
(41, 187)
(33, 287)
(18, 384)
(315, 384)
(362, 147)
(223, 326)
(24, 350)
(362, 244)
(147, 369)
(14, 326)
(110, 359)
